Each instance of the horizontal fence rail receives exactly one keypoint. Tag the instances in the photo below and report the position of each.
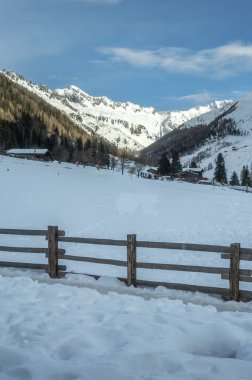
(184, 246)
(118, 243)
(233, 273)
(14, 231)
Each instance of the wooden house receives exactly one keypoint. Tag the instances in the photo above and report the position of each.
(190, 175)
(34, 153)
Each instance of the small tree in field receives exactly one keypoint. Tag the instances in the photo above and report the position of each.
(234, 180)
(193, 164)
(139, 167)
(175, 165)
(164, 166)
(220, 170)
(122, 153)
(245, 176)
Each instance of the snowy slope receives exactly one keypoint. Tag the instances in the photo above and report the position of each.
(124, 124)
(101, 203)
(194, 116)
(236, 150)
(64, 329)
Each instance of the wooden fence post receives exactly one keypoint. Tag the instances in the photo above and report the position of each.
(131, 259)
(53, 251)
(234, 272)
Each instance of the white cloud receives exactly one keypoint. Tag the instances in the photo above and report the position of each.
(200, 97)
(222, 61)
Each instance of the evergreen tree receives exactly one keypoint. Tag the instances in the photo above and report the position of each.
(193, 164)
(220, 170)
(88, 144)
(175, 165)
(210, 166)
(245, 176)
(164, 166)
(234, 180)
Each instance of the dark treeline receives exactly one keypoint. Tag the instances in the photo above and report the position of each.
(27, 121)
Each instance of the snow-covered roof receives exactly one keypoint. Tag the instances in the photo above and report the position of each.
(188, 171)
(28, 151)
(193, 170)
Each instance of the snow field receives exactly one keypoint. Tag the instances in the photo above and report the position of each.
(104, 204)
(103, 329)
(63, 332)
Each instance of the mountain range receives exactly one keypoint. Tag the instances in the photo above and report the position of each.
(123, 124)
(226, 130)
(197, 134)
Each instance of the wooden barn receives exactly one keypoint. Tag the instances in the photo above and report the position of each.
(34, 153)
(190, 175)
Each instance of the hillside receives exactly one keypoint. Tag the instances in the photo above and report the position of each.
(125, 125)
(27, 121)
(235, 147)
(193, 116)
(227, 130)
(78, 127)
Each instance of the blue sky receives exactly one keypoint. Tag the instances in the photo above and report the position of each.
(169, 54)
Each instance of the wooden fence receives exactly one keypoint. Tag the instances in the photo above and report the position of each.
(234, 253)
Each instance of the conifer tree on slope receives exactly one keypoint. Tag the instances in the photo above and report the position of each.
(234, 180)
(220, 170)
(164, 165)
(175, 165)
(245, 176)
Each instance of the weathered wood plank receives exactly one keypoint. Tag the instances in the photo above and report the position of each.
(184, 246)
(245, 295)
(242, 272)
(15, 231)
(245, 272)
(61, 251)
(93, 260)
(131, 260)
(24, 232)
(23, 249)
(120, 243)
(246, 257)
(241, 278)
(245, 251)
(186, 287)
(52, 251)
(245, 279)
(234, 271)
(183, 268)
(13, 264)
(23, 265)
(62, 267)
(243, 256)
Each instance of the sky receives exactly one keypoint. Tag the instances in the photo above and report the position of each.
(169, 54)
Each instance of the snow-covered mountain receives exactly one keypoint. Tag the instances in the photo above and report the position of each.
(124, 124)
(236, 149)
(193, 116)
(226, 130)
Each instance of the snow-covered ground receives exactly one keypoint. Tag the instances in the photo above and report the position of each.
(80, 328)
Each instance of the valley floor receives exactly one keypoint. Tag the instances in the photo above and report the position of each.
(104, 330)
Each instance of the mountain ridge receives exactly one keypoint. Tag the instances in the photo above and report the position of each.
(124, 124)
